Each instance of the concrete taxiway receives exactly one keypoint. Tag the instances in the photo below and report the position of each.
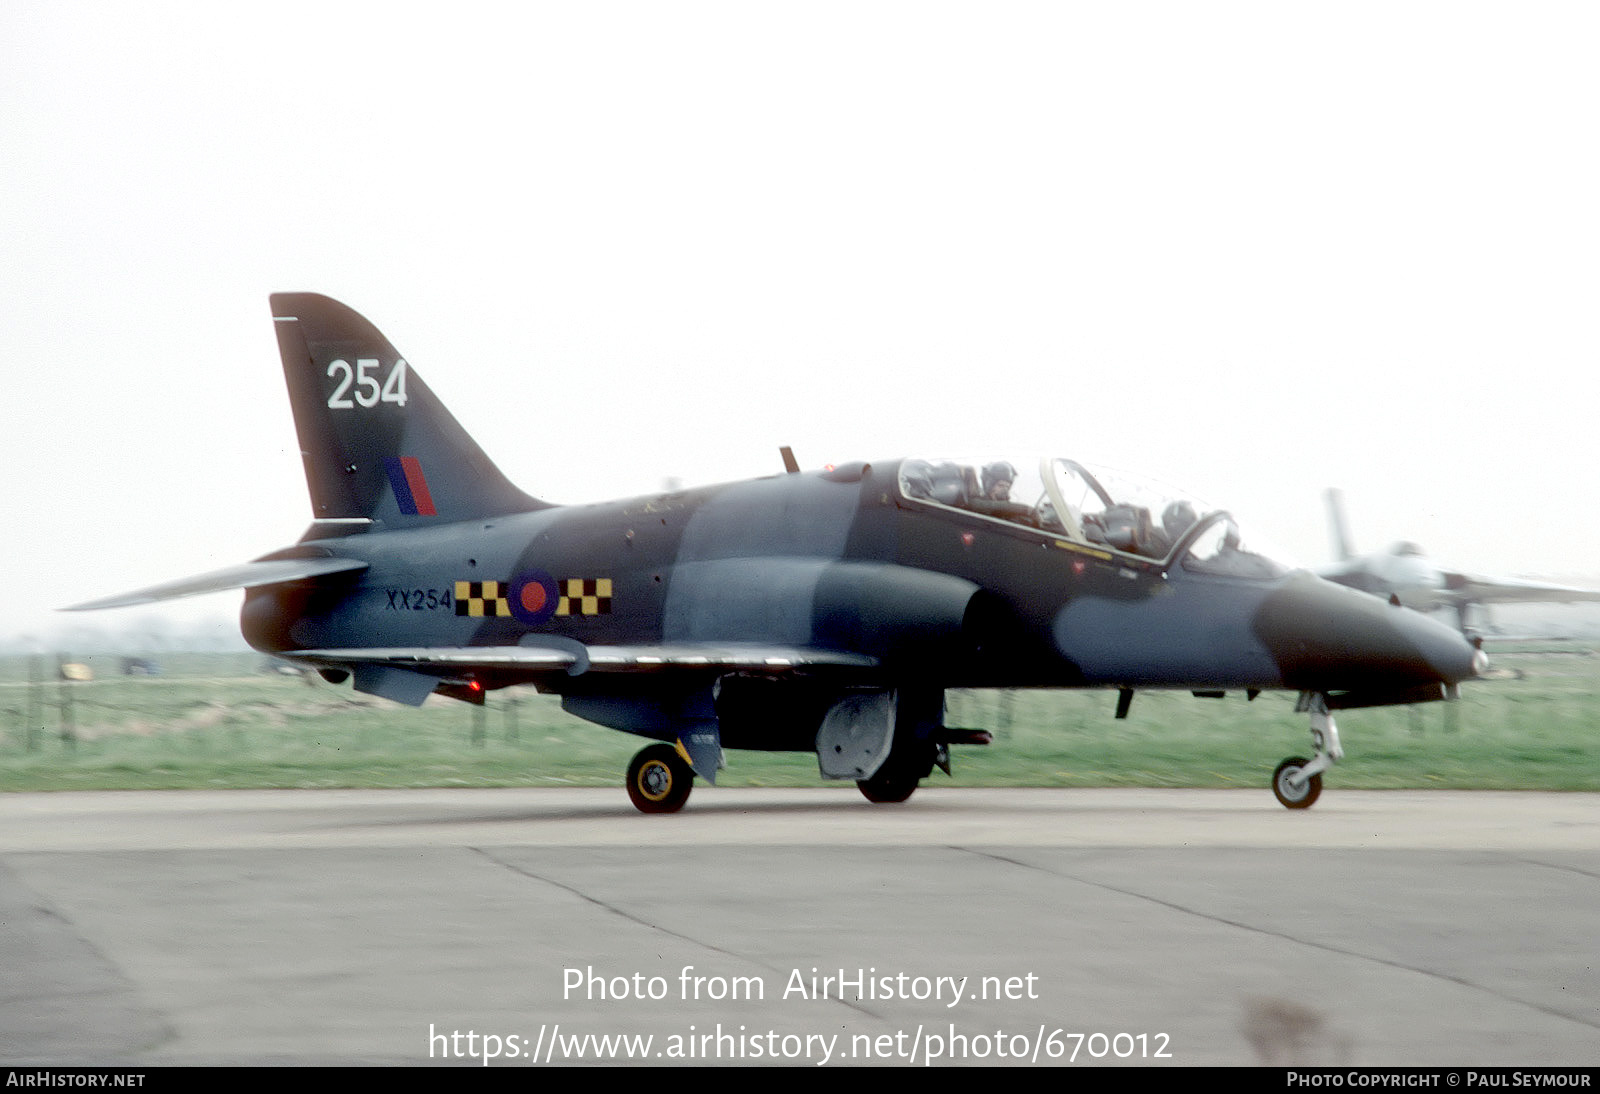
(802, 926)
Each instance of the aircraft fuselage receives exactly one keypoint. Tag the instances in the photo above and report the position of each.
(821, 611)
(840, 560)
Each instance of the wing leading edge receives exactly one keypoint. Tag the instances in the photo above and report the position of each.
(1489, 590)
(576, 658)
(410, 674)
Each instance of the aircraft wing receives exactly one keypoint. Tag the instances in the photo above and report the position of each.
(247, 576)
(1485, 590)
(576, 658)
(410, 674)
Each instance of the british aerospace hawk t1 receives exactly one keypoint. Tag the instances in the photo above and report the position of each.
(821, 611)
(1406, 574)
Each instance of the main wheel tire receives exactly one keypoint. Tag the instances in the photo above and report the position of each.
(1289, 796)
(658, 780)
(888, 787)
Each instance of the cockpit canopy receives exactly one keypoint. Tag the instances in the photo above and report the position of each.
(1106, 510)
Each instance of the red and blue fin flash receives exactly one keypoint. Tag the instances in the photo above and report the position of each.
(410, 486)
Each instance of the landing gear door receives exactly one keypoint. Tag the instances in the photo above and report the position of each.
(857, 735)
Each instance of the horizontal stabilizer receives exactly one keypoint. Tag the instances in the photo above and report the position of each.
(248, 576)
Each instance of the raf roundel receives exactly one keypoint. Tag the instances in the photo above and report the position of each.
(533, 597)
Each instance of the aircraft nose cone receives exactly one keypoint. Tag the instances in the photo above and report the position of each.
(1326, 637)
(1443, 648)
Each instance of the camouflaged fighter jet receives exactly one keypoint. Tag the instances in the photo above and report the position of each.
(821, 611)
(1407, 575)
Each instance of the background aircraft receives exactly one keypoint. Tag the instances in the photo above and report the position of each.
(1404, 572)
(822, 612)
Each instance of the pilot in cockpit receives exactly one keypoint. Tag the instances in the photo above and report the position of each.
(994, 499)
(997, 480)
(1177, 518)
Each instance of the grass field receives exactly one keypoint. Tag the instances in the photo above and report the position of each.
(220, 721)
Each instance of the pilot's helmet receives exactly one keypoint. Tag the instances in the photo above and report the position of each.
(995, 473)
(1177, 517)
(916, 479)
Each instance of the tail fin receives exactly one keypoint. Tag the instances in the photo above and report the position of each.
(378, 445)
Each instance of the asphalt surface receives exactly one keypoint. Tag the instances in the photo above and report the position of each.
(808, 927)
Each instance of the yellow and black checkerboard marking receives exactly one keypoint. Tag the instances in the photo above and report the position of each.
(482, 598)
(585, 596)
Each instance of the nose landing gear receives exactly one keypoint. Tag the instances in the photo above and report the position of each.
(1297, 783)
(1295, 789)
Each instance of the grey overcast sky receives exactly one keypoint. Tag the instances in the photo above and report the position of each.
(1254, 248)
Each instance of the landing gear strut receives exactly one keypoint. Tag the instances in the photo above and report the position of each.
(658, 780)
(1297, 783)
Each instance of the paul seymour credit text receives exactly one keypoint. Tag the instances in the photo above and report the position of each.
(1466, 1078)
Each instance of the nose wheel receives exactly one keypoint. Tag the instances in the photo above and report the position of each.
(1297, 782)
(1293, 787)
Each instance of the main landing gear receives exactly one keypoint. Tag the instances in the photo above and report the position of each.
(893, 783)
(1297, 782)
(659, 780)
